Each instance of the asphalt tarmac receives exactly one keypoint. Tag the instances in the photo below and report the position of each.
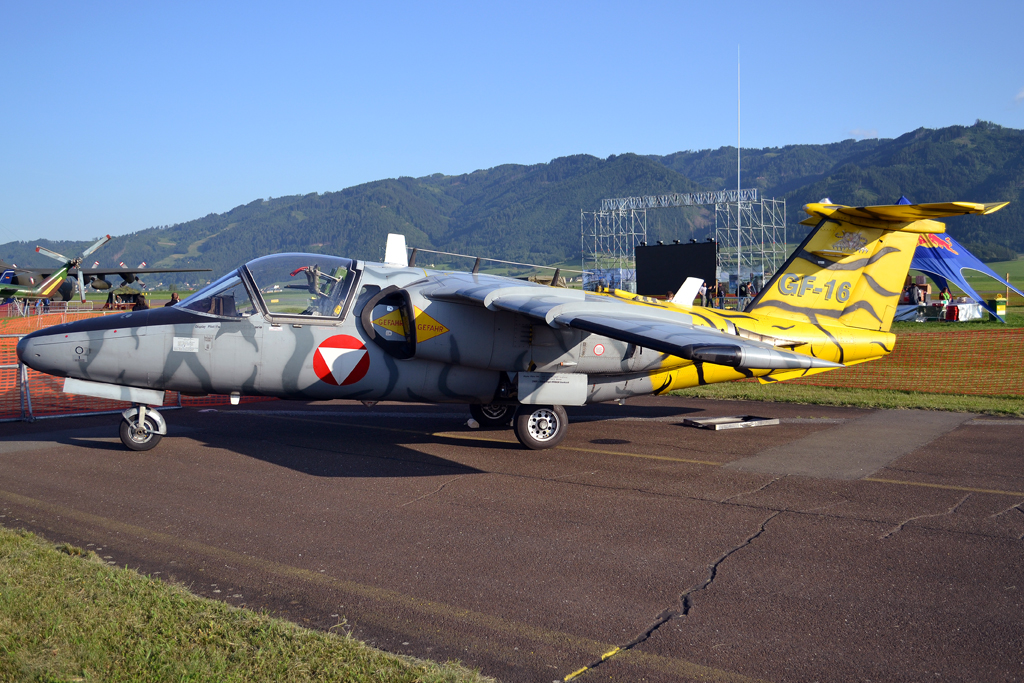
(839, 545)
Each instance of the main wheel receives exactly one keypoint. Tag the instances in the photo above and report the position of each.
(138, 437)
(493, 415)
(539, 427)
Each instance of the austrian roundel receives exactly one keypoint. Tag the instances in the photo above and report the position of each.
(341, 360)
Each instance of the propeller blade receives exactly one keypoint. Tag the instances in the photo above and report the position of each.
(81, 285)
(100, 243)
(52, 254)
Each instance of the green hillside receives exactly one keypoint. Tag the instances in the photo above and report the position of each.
(531, 213)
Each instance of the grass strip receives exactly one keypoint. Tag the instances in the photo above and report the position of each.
(67, 616)
(856, 398)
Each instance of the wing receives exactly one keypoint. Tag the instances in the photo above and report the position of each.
(138, 271)
(667, 331)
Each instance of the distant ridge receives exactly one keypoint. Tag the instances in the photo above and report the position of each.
(531, 213)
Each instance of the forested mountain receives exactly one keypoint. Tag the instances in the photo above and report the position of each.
(532, 213)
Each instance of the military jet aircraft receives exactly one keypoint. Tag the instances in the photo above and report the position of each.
(317, 327)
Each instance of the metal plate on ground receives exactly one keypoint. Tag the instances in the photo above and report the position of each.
(731, 422)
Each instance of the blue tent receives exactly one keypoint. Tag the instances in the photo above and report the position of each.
(942, 258)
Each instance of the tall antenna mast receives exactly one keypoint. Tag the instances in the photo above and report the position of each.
(739, 211)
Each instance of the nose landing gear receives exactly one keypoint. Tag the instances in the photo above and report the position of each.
(142, 428)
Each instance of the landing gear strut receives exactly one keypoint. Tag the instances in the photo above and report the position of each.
(539, 427)
(493, 415)
(142, 428)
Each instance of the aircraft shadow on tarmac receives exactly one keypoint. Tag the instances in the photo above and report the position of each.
(344, 450)
(363, 446)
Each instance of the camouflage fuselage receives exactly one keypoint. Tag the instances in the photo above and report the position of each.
(458, 353)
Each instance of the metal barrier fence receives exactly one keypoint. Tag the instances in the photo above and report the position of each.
(978, 363)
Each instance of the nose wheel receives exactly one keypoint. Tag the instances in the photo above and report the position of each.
(142, 428)
(539, 427)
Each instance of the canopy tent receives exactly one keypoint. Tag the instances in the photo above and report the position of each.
(942, 258)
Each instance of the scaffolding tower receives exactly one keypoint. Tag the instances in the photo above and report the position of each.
(751, 238)
(608, 238)
(750, 231)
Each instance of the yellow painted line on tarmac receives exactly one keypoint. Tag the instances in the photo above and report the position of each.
(429, 610)
(511, 442)
(341, 424)
(607, 655)
(474, 437)
(951, 487)
(640, 455)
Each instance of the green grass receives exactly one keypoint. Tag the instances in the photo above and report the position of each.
(67, 616)
(856, 398)
(1014, 318)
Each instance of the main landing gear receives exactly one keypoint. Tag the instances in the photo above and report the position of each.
(536, 427)
(492, 416)
(142, 428)
(539, 427)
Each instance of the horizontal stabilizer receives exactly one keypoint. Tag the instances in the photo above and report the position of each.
(898, 213)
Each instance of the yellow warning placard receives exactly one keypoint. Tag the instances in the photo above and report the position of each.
(392, 321)
(426, 327)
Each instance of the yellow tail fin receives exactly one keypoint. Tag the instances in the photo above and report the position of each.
(851, 268)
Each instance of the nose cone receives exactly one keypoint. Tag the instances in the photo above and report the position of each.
(23, 346)
(40, 351)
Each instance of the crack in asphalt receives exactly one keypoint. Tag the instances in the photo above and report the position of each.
(561, 479)
(950, 511)
(750, 493)
(1016, 507)
(685, 601)
(427, 495)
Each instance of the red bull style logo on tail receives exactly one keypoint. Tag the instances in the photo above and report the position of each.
(933, 241)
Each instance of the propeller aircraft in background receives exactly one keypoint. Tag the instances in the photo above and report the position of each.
(52, 281)
(317, 327)
(94, 276)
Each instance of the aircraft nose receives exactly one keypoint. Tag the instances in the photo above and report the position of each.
(38, 355)
(24, 349)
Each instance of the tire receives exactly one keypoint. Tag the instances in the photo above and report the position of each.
(492, 416)
(139, 440)
(540, 427)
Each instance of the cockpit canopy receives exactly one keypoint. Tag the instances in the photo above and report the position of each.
(280, 285)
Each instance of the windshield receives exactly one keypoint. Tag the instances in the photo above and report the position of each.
(303, 284)
(227, 297)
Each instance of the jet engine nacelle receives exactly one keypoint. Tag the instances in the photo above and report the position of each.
(99, 284)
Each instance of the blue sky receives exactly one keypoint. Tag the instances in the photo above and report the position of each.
(120, 117)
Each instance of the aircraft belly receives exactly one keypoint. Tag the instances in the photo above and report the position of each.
(613, 387)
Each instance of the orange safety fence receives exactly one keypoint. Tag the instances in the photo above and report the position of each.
(26, 394)
(979, 363)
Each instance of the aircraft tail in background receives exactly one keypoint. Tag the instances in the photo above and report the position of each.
(851, 268)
